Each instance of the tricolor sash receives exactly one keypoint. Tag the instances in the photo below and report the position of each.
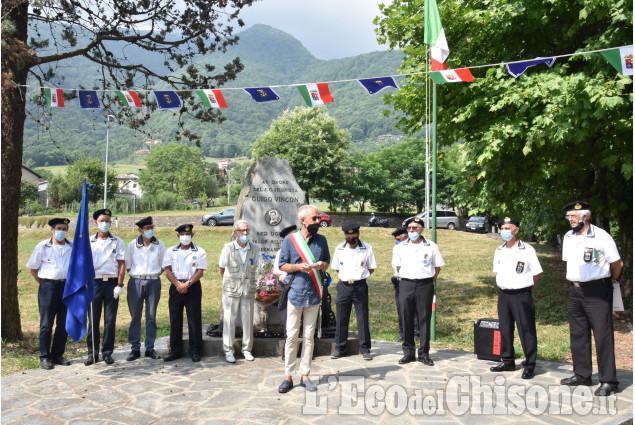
(307, 256)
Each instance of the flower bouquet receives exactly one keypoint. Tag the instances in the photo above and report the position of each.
(267, 291)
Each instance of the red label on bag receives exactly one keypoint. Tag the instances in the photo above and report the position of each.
(497, 343)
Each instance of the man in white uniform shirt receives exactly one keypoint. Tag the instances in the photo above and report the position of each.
(593, 262)
(400, 235)
(517, 272)
(49, 266)
(110, 267)
(184, 265)
(237, 266)
(144, 261)
(418, 262)
(354, 261)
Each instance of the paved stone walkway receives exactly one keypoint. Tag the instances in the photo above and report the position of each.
(458, 389)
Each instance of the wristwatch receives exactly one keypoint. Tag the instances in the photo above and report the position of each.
(189, 283)
(120, 284)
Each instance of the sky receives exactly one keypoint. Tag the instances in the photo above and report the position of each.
(329, 29)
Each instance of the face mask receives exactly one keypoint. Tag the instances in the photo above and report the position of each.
(351, 241)
(185, 239)
(313, 228)
(103, 226)
(148, 234)
(506, 235)
(413, 236)
(244, 238)
(60, 235)
(579, 227)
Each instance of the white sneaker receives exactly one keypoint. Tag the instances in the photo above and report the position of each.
(248, 356)
(230, 358)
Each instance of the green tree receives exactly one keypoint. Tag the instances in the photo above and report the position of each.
(314, 145)
(37, 36)
(550, 136)
(192, 180)
(68, 188)
(28, 192)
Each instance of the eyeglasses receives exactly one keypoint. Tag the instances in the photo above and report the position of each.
(413, 228)
(316, 218)
(243, 231)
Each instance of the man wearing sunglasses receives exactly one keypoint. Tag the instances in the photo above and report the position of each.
(418, 262)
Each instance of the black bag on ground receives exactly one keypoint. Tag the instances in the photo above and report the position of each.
(487, 340)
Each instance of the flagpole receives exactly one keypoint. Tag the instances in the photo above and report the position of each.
(433, 319)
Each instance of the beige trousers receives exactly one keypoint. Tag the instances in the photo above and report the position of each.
(294, 319)
(231, 308)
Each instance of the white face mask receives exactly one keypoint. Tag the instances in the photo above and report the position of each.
(103, 226)
(60, 235)
(185, 239)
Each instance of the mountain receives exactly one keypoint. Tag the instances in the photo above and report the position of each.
(271, 58)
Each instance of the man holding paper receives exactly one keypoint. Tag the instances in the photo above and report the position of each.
(303, 256)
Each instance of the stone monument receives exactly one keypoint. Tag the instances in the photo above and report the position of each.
(269, 202)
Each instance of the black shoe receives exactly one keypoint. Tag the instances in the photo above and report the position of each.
(172, 356)
(91, 360)
(108, 359)
(528, 373)
(605, 390)
(61, 361)
(575, 380)
(308, 384)
(406, 359)
(196, 358)
(367, 356)
(286, 386)
(134, 355)
(426, 360)
(47, 364)
(337, 354)
(152, 354)
(503, 367)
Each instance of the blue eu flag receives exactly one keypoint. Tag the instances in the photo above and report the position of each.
(262, 94)
(88, 99)
(79, 291)
(375, 85)
(167, 99)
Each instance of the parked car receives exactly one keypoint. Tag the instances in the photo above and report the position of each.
(325, 219)
(224, 217)
(447, 219)
(476, 224)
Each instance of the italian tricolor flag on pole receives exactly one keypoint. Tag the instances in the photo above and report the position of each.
(434, 36)
(54, 97)
(621, 59)
(212, 98)
(316, 94)
(451, 76)
(129, 98)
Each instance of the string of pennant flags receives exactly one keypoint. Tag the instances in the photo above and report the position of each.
(621, 58)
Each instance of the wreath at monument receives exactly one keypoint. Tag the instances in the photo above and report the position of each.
(268, 291)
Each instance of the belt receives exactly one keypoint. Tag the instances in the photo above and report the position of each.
(146, 276)
(426, 280)
(353, 282)
(590, 282)
(53, 280)
(106, 276)
(515, 291)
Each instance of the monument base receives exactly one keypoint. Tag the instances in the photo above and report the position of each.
(268, 347)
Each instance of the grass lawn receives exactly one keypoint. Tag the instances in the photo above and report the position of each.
(466, 291)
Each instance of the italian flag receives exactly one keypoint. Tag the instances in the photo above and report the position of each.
(54, 97)
(621, 59)
(316, 94)
(451, 76)
(129, 98)
(434, 36)
(212, 98)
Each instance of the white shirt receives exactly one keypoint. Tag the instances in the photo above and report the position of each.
(276, 269)
(417, 260)
(516, 267)
(394, 252)
(106, 252)
(185, 262)
(353, 263)
(589, 256)
(222, 262)
(50, 260)
(143, 261)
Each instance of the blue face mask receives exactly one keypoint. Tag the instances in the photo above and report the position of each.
(244, 238)
(506, 235)
(413, 236)
(60, 235)
(148, 233)
(103, 226)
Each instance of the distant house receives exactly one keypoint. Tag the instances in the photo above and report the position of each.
(390, 137)
(128, 186)
(151, 143)
(34, 178)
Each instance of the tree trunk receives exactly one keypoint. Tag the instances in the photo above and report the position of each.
(15, 64)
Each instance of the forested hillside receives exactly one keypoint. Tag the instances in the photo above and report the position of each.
(271, 57)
